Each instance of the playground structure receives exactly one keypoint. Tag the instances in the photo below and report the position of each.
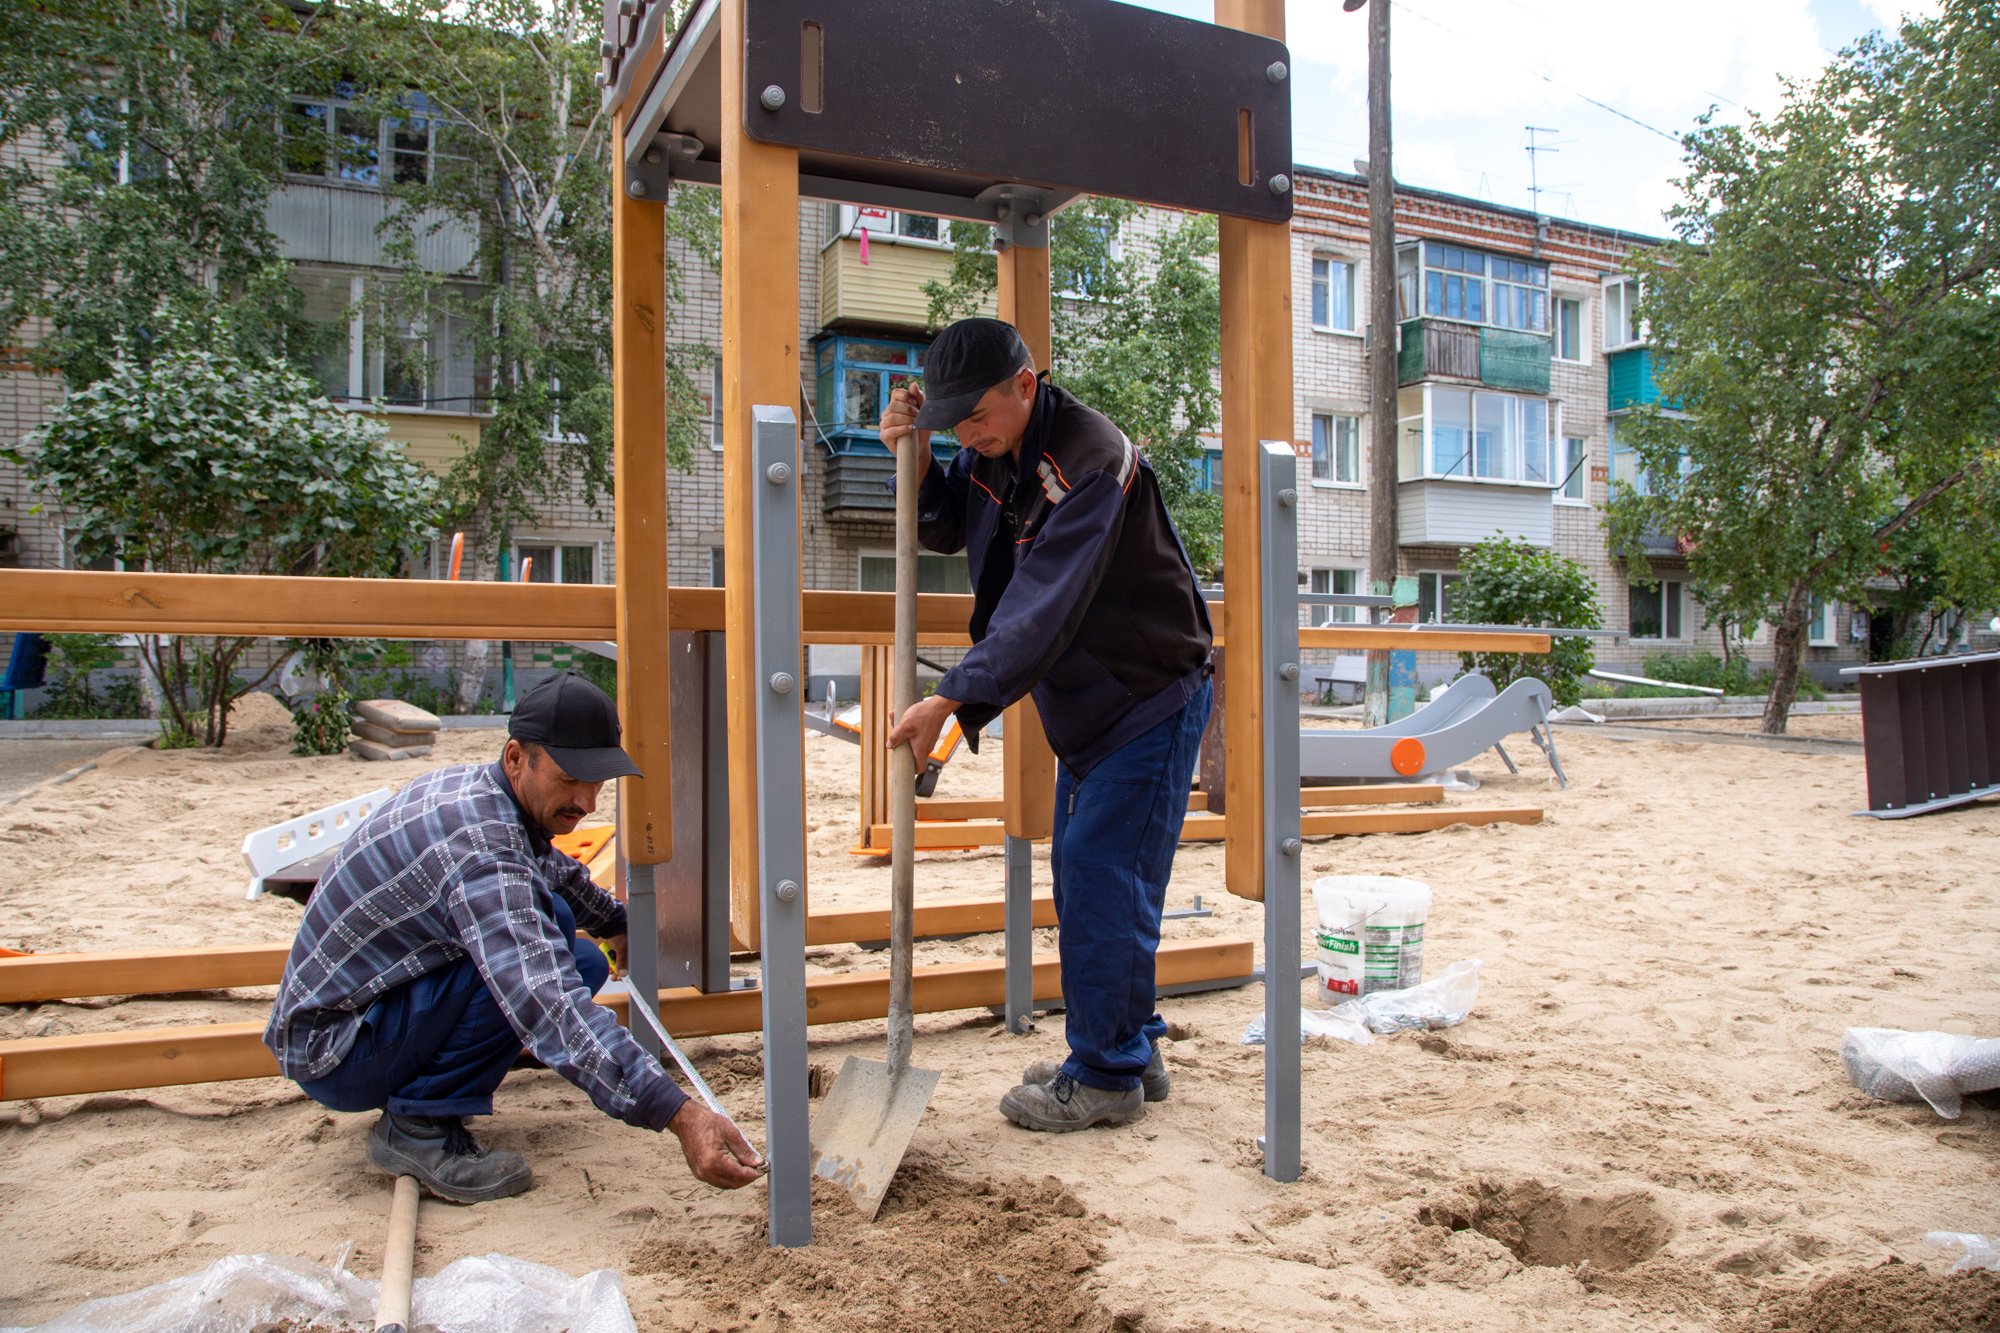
(770, 99)
(1463, 719)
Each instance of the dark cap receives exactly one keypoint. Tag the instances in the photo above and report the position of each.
(577, 724)
(966, 360)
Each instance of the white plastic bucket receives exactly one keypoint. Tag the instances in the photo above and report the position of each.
(1371, 933)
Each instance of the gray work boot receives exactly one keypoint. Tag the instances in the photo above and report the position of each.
(1063, 1104)
(1156, 1082)
(444, 1157)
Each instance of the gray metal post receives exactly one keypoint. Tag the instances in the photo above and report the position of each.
(1278, 503)
(642, 947)
(781, 849)
(1020, 937)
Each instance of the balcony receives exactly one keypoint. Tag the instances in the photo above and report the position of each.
(340, 224)
(1630, 379)
(888, 291)
(1436, 512)
(859, 472)
(432, 440)
(1498, 358)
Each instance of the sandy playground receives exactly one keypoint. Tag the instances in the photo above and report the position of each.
(1643, 1125)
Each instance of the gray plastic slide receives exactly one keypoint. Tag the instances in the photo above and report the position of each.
(1465, 719)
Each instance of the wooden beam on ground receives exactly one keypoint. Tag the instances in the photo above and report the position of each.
(1204, 827)
(36, 977)
(639, 439)
(1377, 793)
(164, 1057)
(971, 916)
(1255, 270)
(760, 367)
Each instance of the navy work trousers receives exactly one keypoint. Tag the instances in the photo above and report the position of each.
(1116, 831)
(439, 1045)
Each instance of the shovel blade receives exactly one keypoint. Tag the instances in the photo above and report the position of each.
(865, 1126)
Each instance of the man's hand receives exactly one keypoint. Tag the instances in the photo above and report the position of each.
(919, 726)
(900, 418)
(620, 955)
(715, 1149)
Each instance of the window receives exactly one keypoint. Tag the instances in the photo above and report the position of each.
(1569, 328)
(1332, 294)
(716, 576)
(1099, 261)
(1211, 471)
(1487, 436)
(1628, 467)
(1621, 314)
(555, 562)
(1440, 596)
(1336, 449)
(935, 573)
(363, 348)
(331, 138)
(1822, 620)
(882, 224)
(1654, 612)
(1572, 485)
(1456, 283)
(1343, 581)
(856, 377)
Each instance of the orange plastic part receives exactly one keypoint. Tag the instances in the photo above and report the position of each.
(1406, 756)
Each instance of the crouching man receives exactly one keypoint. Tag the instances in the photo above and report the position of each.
(443, 939)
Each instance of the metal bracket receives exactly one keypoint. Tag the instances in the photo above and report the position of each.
(651, 174)
(1020, 216)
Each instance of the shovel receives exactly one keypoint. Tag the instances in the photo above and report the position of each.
(868, 1118)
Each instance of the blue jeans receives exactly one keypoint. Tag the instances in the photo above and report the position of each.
(1115, 835)
(439, 1045)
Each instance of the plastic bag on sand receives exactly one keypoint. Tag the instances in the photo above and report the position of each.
(1441, 1002)
(1979, 1251)
(1937, 1067)
(249, 1292)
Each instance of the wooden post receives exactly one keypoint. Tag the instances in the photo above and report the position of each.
(760, 365)
(1256, 276)
(1030, 766)
(876, 706)
(639, 433)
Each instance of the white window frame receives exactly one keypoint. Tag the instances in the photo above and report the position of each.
(1326, 579)
(1332, 478)
(1516, 449)
(556, 544)
(367, 365)
(1413, 284)
(1440, 580)
(1822, 623)
(1582, 303)
(1673, 608)
(1581, 481)
(1322, 278)
(1622, 325)
(385, 143)
(886, 226)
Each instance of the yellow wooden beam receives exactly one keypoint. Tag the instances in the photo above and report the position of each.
(639, 436)
(163, 1057)
(1204, 827)
(35, 977)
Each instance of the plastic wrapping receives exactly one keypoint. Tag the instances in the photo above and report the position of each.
(249, 1293)
(1936, 1067)
(1441, 1002)
(1979, 1250)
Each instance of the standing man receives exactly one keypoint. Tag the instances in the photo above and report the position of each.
(443, 938)
(1084, 597)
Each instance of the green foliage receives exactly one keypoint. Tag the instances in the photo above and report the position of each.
(73, 658)
(162, 116)
(320, 719)
(1516, 583)
(1830, 302)
(1730, 675)
(1140, 345)
(599, 671)
(387, 669)
(201, 461)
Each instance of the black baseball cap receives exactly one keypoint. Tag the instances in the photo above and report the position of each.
(966, 360)
(577, 724)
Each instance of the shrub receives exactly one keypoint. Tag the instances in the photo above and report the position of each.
(1514, 583)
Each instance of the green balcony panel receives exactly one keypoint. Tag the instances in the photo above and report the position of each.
(1515, 361)
(1632, 383)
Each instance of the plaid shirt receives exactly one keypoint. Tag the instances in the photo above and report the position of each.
(449, 869)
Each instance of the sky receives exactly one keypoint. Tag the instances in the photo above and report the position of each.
(1608, 84)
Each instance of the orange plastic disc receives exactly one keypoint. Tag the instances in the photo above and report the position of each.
(1406, 756)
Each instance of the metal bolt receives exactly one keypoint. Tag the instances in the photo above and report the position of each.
(602, 78)
(1281, 184)
(778, 473)
(636, 188)
(1032, 220)
(1291, 847)
(771, 98)
(607, 50)
(788, 890)
(782, 682)
(653, 155)
(1287, 498)
(1289, 671)
(628, 7)
(1276, 71)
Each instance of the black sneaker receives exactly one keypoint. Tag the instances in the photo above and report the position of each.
(446, 1160)
(1156, 1082)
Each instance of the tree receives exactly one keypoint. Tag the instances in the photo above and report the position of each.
(510, 86)
(140, 142)
(1140, 342)
(1516, 583)
(199, 461)
(1830, 314)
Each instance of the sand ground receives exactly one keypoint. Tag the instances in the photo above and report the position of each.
(1643, 1125)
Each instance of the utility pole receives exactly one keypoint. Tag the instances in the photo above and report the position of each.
(1383, 324)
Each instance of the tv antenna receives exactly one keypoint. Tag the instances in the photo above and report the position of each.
(1534, 177)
